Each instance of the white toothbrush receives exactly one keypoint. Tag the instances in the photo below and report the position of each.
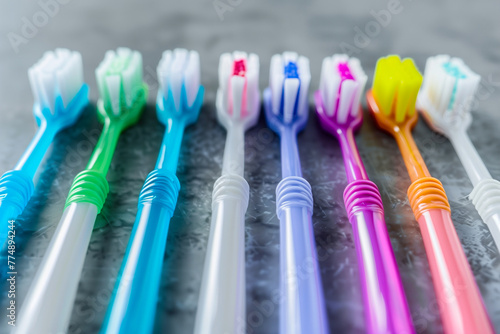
(221, 306)
(445, 101)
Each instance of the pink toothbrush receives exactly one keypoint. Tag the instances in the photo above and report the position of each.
(339, 111)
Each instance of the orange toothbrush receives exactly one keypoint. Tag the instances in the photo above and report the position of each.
(392, 103)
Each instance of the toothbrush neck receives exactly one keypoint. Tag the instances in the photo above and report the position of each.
(105, 148)
(171, 145)
(411, 155)
(234, 152)
(33, 156)
(290, 161)
(354, 168)
(472, 162)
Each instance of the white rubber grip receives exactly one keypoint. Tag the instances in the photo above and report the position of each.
(486, 199)
(221, 306)
(49, 302)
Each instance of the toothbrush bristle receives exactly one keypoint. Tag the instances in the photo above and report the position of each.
(395, 86)
(289, 83)
(238, 83)
(177, 69)
(119, 78)
(58, 73)
(449, 85)
(341, 85)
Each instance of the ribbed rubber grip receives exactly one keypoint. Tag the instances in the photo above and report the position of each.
(231, 186)
(89, 186)
(16, 188)
(486, 199)
(361, 195)
(293, 191)
(161, 187)
(425, 194)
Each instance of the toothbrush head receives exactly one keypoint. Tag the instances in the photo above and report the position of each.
(285, 100)
(447, 93)
(338, 98)
(123, 93)
(57, 84)
(180, 93)
(395, 87)
(238, 93)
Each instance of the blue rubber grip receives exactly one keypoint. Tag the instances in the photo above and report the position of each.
(133, 304)
(16, 188)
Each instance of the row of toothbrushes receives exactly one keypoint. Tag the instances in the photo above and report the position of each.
(444, 99)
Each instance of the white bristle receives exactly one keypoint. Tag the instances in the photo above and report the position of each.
(305, 79)
(276, 77)
(341, 98)
(177, 69)
(192, 77)
(225, 69)
(163, 72)
(237, 91)
(361, 78)
(238, 55)
(252, 82)
(329, 86)
(130, 78)
(289, 56)
(290, 90)
(100, 72)
(234, 87)
(58, 73)
(445, 92)
(348, 90)
(113, 83)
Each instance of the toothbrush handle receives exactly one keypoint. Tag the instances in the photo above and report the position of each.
(386, 307)
(16, 188)
(302, 309)
(460, 302)
(486, 198)
(221, 306)
(133, 304)
(49, 301)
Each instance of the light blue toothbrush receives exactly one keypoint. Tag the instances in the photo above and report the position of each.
(133, 304)
(60, 97)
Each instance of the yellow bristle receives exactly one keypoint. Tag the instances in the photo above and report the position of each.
(395, 86)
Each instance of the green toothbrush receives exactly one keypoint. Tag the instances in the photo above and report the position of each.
(48, 304)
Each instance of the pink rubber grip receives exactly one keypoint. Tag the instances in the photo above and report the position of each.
(460, 302)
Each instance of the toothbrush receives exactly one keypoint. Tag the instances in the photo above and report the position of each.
(392, 103)
(133, 304)
(221, 306)
(444, 100)
(60, 98)
(48, 303)
(302, 309)
(339, 111)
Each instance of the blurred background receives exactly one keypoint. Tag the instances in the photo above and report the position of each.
(314, 28)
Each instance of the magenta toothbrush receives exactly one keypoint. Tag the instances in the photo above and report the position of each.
(338, 108)
(302, 309)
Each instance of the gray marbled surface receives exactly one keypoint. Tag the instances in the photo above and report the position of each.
(314, 28)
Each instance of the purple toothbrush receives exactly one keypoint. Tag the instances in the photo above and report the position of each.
(302, 309)
(339, 112)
